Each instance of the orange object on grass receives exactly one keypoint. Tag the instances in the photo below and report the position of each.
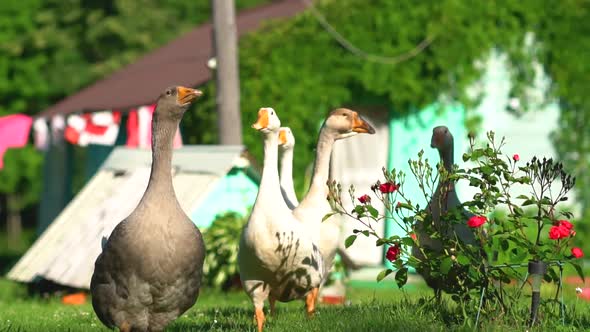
(327, 299)
(74, 299)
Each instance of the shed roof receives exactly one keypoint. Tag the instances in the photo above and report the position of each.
(183, 61)
(66, 251)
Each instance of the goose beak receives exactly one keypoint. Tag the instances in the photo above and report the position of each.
(187, 95)
(359, 125)
(262, 121)
(282, 137)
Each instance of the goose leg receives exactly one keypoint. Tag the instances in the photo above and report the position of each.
(259, 317)
(258, 292)
(272, 302)
(310, 301)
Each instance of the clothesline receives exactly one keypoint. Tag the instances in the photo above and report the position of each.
(99, 128)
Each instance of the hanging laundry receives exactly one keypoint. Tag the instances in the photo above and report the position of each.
(132, 129)
(139, 129)
(58, 125)
(101, 128)
(14, 132)
(41, 134)
(144, 117)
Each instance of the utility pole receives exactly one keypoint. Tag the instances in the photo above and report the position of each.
(226, 73)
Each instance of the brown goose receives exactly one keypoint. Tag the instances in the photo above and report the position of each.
(149, 272)
(341, 123)
(443, 141)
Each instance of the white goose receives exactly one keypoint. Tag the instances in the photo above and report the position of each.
(341, 123)
(277, 258)
(287, 145)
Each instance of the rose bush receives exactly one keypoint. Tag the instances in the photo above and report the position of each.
(510, 230)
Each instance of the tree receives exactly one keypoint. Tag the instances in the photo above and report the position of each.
(19, 181)
(51, 48)
(413, 54)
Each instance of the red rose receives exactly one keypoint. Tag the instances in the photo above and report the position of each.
(572, 233)
(388, 187)
(558, 232)
(565, 223)
(393, 253)
(476, 221)
(413, 236)
(516, 157)
(577, 252)
(365, 199)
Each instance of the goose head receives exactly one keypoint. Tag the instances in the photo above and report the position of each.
(175, 100)
(442, 139)
(343, 123)
(268, 121)
(286, 138)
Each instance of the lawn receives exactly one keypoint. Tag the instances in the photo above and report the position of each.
(368, 310)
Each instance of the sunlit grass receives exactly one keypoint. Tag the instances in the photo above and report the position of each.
(383, 309)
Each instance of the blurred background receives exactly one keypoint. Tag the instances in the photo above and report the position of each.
(79, 80)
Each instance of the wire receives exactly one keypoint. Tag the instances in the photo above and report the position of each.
(359, 52)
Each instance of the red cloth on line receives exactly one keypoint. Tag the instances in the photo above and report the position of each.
(99, 128)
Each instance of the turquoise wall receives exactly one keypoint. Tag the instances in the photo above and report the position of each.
(234, 192)
(412, 133)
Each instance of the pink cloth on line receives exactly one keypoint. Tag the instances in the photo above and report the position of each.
(132, 130)
(14, 132)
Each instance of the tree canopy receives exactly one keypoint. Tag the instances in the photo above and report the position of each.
(298, 68)
(52, 48)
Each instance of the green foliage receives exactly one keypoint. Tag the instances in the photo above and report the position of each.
(20, 175)
(532, 228)
(222, 239)
(51, 48)
(296, 67)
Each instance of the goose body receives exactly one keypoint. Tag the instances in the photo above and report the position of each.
(277, 257)
(149, 271)
(443, 200)
(340, 123)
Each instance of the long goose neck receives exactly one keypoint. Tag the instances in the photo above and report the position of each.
(321, 169)
(269, 182)
(163, 131)
(447, 156)
(287, 169)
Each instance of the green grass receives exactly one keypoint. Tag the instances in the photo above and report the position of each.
(383, 309)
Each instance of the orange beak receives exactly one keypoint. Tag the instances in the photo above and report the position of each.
(262, 121)
(187, 95)
(359, 125)
(282, 137)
